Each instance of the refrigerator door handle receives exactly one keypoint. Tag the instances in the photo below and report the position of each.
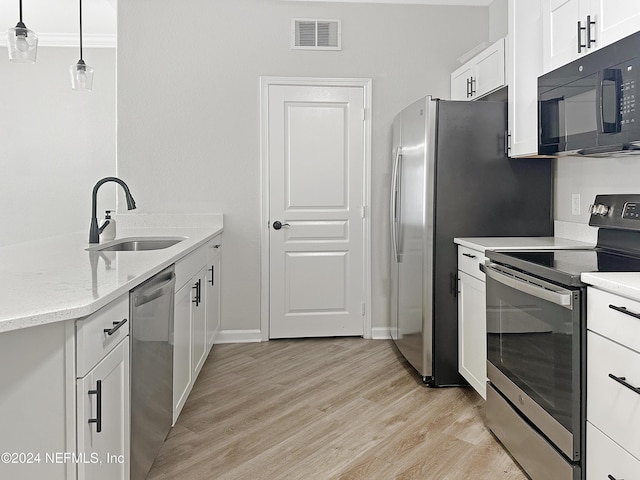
(394, 204)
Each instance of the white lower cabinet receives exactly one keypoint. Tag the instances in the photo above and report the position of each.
(181, 349)
(102, 392)
(606, 459)
(613, 386)
(196, 317)
(199, 323)
(472, 328)
(65, 396)
(212, 296)
(103, 418)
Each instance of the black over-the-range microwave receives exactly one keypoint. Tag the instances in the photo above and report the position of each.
(588, 107)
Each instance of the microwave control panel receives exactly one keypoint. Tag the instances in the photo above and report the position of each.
(628, 94)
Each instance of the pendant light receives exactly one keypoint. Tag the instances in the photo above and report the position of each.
(22, 43)
(81, 73)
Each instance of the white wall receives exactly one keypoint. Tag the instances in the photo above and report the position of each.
(498, 20)
(55, 143)
(188, 107)
(591, 176)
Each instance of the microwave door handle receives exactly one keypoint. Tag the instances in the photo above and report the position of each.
(550, 293)
(611, 75)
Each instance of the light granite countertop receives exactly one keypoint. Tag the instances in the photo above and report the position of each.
(520, 243)
(626, 284)
(56, 279)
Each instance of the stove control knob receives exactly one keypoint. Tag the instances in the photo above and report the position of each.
(599, 209)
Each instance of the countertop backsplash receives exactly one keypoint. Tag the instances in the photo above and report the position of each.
(575, 231)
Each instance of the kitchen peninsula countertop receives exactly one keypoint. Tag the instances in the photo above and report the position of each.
(56, 279)
(519, 243)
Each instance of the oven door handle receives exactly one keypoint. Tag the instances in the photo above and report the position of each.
(530, 285)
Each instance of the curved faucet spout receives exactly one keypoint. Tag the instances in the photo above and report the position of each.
(94, 231)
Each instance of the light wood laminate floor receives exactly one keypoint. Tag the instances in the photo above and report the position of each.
(327, 409)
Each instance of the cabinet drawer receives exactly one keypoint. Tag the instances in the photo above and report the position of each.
(213, 248)
(605, 457)
(93, 343)
(602, 317)
(611, 406)
(469, 262)
(189, 266)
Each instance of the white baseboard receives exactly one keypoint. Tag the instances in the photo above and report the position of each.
(380, 333)
(252, 336)
(238, 336)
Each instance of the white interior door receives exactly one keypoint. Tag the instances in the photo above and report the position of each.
(316, 150)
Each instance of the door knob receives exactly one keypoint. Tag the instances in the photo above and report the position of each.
(277, 225)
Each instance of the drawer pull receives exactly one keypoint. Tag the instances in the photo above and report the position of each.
(625, 311)
(611, 477)
(116, 327)
(197, 299)
(622, 380)
(469, 255)
(98, 393)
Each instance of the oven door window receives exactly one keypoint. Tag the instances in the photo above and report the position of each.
(536, 344)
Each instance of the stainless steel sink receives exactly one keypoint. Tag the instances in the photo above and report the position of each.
(137, 244)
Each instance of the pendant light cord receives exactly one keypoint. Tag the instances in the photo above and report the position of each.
(20, 11)
(80, 28)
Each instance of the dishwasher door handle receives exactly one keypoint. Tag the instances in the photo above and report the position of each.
(160, 290)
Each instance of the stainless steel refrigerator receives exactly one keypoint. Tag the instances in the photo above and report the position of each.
(451, 178)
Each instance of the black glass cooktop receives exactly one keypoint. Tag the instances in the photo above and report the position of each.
(565, 266)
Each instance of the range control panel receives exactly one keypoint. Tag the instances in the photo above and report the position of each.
(616, 211)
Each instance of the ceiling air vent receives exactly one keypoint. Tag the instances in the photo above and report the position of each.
(310, 34)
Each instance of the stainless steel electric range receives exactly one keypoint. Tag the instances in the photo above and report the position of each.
(536, 340)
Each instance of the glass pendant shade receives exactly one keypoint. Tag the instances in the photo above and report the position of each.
(22, 44)
(81, 76)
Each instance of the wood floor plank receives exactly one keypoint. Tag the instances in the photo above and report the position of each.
(327, 409)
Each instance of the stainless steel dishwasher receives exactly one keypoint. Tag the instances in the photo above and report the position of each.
(151, 368)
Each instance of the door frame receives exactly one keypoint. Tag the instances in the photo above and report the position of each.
(265, 83)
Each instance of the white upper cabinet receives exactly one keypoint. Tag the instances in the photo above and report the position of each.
(572, 28)
(481, 75)
(523, 66)
(461, 82)
(615, 19)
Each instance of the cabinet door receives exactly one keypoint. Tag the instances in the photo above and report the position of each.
(103, 418)
(472, 332)
(606, 459)
(489, 74)
(181, 349)
(524, 65)
(613, 406)
(198, 324)
(614, 20)
(560, 31)
(460, 87)
(212, 301)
